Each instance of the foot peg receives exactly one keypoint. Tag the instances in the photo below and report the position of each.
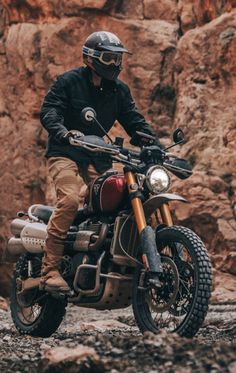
(54, 289)
(62, 296)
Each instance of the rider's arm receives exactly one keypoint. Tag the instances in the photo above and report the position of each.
(129, 117)
(53, 111)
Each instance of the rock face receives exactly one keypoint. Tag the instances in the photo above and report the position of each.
(182, 73)
(205, 69)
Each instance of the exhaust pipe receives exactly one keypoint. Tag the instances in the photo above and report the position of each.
(15, 246)
(13, 250)
(17, 225)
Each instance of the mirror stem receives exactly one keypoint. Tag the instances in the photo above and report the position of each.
(101, 127)
(176, 143)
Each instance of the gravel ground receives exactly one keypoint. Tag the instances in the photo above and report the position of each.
(122, 348)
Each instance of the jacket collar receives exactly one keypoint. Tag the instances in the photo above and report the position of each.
(106, 85)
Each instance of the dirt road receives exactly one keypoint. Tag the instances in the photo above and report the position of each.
(121, 348)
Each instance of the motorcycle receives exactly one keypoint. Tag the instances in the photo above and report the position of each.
(122, 248)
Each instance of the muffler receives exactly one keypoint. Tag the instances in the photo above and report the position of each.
(15, 247)
(33, 237)
(17, 225)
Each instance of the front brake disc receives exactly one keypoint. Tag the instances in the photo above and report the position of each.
(160, 300)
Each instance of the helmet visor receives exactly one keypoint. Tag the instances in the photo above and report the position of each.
(105, 57)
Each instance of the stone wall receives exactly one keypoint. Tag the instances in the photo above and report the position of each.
(182, 73)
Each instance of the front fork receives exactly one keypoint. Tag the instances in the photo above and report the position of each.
(150, 256)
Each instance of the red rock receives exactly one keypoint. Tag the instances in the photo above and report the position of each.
(56, 355)
(205, 82)
(193, 13)
(230, 264)
(224, 288)
(102, 325)
(162, 9)
(6, 271)
(3, 304)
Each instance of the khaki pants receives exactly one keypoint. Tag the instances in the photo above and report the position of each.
(67, 180)
(66, 176)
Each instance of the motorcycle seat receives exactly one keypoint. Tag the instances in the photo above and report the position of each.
(44, 213)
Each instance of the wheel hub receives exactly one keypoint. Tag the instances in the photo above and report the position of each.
(162, 299)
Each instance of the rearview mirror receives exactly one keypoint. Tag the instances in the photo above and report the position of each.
(178, 136)
(88, 114)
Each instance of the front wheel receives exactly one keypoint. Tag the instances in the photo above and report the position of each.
(181, 304)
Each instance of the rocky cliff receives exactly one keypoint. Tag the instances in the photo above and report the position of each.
(182, 74)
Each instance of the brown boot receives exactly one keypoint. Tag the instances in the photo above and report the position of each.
(51, 279)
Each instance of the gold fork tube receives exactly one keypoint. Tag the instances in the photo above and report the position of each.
(136, 203)
(165, 214)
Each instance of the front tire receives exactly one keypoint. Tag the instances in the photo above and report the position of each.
(41, 314)
(181, 304)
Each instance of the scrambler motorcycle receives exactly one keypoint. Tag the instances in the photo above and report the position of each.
(122, 248)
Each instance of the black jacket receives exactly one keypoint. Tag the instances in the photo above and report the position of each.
(62, 106)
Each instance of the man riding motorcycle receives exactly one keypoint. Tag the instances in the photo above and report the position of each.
(97, 86)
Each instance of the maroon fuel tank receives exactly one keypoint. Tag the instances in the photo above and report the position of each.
(108, 192)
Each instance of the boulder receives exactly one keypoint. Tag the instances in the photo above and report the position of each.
(194, 13)
(205, 77)
(102, 325)
(57, 355)
(77, 359)
(162, 9)
(224, 287)
(3, 304)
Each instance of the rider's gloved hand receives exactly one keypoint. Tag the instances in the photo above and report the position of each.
(158, 143)
(141, 141)
(74, 134)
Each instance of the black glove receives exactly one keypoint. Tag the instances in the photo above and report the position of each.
(158, 143)
(73, 133)
(139, 140)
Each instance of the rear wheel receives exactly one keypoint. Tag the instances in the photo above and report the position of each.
(35, 313)
(181, 304)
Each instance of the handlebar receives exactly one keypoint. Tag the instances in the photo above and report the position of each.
(102, 147)
(98, 145)
(126, 151)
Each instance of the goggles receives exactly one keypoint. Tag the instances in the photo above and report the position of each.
(105, 57)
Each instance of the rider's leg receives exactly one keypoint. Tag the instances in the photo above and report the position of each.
(64, 173)
(89, 173)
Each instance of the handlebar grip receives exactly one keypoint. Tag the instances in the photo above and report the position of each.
(126, 151)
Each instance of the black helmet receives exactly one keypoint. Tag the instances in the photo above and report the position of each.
(102, 52)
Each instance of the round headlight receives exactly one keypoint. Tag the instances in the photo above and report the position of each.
(157, 180)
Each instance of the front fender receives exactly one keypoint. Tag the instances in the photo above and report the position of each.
(153, 203)
(128, 235)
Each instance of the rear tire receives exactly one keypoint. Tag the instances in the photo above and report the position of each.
(50, 310)
(190, 318)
